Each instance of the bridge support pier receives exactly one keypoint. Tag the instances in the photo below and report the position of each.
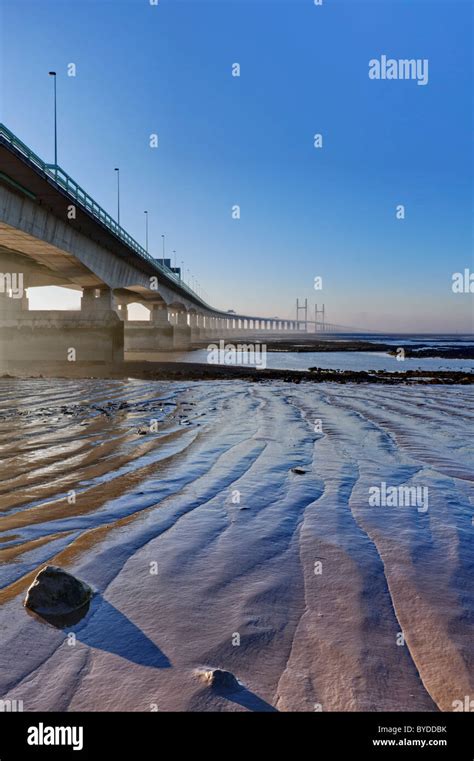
(195, 327)
(159, 334)
(182, 332)
(54, 339)
(153, 336)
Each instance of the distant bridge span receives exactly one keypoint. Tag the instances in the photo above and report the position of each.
(53, 233)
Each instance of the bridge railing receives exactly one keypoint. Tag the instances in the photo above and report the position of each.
(73, 189)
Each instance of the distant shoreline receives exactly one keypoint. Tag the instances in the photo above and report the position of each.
(183, 371)
(415, 350)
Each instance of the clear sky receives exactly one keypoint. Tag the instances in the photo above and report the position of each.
(248, 141)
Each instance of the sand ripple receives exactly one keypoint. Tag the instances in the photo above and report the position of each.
(292, 582)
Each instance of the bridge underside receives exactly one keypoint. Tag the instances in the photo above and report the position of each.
(38, 248)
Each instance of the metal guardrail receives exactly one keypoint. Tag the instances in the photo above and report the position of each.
(64, 181)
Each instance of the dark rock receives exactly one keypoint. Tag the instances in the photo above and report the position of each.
(220, 680)
(299, 471)
(56, 592)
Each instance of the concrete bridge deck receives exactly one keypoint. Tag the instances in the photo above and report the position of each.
(53, 233)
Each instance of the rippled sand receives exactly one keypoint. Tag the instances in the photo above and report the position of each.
(310, 636)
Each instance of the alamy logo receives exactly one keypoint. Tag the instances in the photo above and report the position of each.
(237, 354)
(399, 496)
(12, 283)
(11, 706)
(403, 68)
(42, 735)
(463, 705)
(463, 282)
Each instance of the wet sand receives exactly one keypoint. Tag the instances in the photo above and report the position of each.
(237, 538)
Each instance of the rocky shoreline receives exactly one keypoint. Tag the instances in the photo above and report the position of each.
(194, 371)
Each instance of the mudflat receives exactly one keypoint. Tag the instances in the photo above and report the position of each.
(228, 525)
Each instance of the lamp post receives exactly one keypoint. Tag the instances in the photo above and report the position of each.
(163, 255)
(53, 74)
(146, 230)
(181, 271)
(174, 252)
(118, 194)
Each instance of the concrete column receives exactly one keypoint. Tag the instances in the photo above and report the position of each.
(122, 311)
(60, 340)
(97, 300)
(181, 331)
(196, 331)
(12, 305)
(166, 331)
(159, 314)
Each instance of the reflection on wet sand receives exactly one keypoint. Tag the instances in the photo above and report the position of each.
(179, 503)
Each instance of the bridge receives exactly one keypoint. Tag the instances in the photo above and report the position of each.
(53, 233)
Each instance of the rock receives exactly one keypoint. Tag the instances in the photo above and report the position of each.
(220, 680)
(299, 471)
(56, 592)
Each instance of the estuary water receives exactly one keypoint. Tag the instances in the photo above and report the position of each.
(338, 360)
(334, 360)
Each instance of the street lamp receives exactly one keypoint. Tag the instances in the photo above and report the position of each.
(181, 271)
(146, 230)
(174, 252)
(118, 194)
(163, 256)
(53, 74)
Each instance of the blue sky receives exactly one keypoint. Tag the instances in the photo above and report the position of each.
(224, 140)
